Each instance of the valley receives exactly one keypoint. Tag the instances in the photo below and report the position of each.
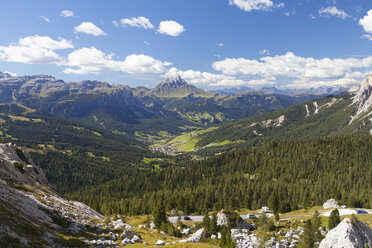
(177, 148)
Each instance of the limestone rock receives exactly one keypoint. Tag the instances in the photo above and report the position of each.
(331, 203)
(160, 243)
(349, 233)
(195, 238)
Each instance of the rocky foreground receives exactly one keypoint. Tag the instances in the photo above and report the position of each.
(32, 214)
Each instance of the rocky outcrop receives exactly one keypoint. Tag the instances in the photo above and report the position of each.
(363, 98)
(29, 202)
(349, 233)
(225, 217)
(195, 237)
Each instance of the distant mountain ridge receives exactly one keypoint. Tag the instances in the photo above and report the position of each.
(319, 91)
(172, 106)
(347, 113)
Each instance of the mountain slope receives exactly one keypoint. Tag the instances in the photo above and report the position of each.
(334, 115)
(71, 154)
(32, 214)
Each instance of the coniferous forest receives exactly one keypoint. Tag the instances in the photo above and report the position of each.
(300, 174)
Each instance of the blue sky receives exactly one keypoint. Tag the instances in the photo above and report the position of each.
(211, 43)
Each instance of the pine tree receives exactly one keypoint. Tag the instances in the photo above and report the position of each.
(160, 216)
(206, 224)
(274, 202)
(316, 224)
(308, 236)
(334, 219)
(213, 225)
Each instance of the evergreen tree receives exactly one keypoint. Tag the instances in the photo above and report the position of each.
(213, 225)
(274, 202)
(316, 224)
(308, 236)
(334, 219)
(226, 240)
(206, 224)
(160, 216)
(179, 221)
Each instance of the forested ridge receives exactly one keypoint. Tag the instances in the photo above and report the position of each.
(301, 173)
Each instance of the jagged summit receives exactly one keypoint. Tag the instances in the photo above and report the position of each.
(363, 98)
(173, 82)
(178, 87)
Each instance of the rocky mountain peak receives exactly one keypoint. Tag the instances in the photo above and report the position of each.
(349, 233)
(173, 82)
(363, 98)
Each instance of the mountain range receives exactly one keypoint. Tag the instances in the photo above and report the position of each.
(172, 106)
(347, 113)
(319, 91)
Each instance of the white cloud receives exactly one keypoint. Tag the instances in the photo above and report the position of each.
(45, 18)
(139, 22)
(264, 52)
(115, 23)
(367, 36)
(67, 13)
(333, 11)
(366, 22)
(93, 61)
(220, 44)
(146, 42)
(45, 42)
(294, 68)
(12, 74)
(249, 5)
(171, 28)
(198, 77)
(35, 50)
(89, 28)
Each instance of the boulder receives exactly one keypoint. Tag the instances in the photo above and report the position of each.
(243, 240)
(195, 238)
(160, 243)
(126, 242)
(186, 231)
(119, 224)
(349, 233)
(222, 218)
(127, 234)
(136, 239)
(331, 203)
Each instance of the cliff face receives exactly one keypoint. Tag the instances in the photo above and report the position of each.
(31, 212)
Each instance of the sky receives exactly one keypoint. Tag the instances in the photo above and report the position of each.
(212, 44)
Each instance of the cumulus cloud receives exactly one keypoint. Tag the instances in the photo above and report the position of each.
(35, 50)
(45, 18)
(220, 44)
(92, 61)
(139, 22)
(198, 77)
(366, 22)
(67, 13)
(295, 68)
(89, 28)
(171, 28)
(249, 5)
(333, 11)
